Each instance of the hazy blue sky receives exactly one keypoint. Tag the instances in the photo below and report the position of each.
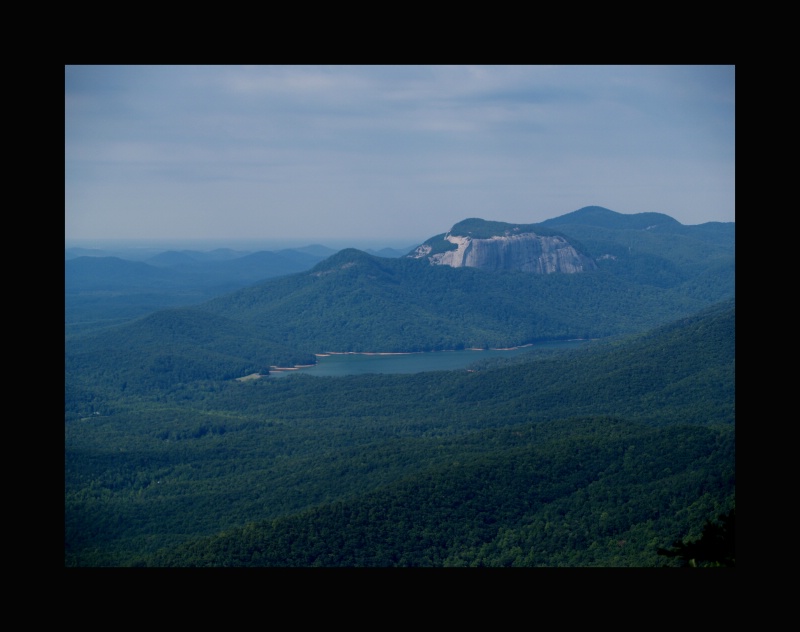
(388, 153)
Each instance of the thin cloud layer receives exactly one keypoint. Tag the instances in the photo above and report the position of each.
(389, 153)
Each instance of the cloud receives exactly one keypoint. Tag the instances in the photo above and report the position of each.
(365, 151)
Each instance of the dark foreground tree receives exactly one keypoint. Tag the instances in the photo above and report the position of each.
(716, 546)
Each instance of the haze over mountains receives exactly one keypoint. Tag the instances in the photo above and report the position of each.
(107, 287)
(153, 350)
(644, 271)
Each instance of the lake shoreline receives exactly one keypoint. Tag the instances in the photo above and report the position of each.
(337, 357)
(391, 353)
(326, 354)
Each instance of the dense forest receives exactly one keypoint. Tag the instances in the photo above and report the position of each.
(628, 441)
(618, 453)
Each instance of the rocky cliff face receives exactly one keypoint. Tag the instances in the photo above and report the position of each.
(514, 250)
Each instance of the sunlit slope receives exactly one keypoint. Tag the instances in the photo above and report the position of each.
(356, 302)
(654, 249)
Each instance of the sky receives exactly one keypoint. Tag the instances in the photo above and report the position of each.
(387, 154)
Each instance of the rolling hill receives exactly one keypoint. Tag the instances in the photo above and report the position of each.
(354, 301)
(631, 441)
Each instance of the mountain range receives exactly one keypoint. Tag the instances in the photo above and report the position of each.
(108, 287)
(602, 456)
(644, 272)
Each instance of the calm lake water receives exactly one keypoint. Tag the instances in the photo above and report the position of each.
(355, 363)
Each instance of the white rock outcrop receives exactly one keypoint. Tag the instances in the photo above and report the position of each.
(526, 252)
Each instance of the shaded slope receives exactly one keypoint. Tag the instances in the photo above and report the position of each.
(171, 347)
(199, 458)
(594, 492)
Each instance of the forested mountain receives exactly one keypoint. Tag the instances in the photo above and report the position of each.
(104, 289)
(353, 301)
(719, 233)
(594, 492)
(655, 249)
(607, 455)
(593, 457)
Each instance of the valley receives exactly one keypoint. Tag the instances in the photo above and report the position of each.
(598, 431)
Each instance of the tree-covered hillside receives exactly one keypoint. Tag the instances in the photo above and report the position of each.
(551, 461)
(617, 453)
(653, 269)
(654, 249)
(594, 492)
(353, 301)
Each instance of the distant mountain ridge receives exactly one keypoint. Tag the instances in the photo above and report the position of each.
(101, 289)
(576, 242)
(605, 218)
(596, 220)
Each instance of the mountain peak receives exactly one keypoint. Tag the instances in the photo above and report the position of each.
(605, 218)
(477, 228)
(346, 259)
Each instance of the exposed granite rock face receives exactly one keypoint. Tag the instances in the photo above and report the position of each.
(526, 252)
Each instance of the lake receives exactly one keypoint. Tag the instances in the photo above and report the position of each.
(337, 364)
